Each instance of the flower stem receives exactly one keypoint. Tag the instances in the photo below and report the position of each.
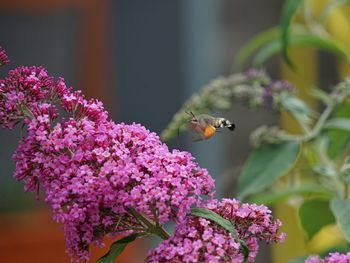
(346, 191)
(302, 124)
(153, 227)
(319, 125)
(311, 134)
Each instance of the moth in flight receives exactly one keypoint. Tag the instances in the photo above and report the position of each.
(205, 126)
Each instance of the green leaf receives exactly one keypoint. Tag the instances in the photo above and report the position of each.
(295, 104)
(253, 45)
(298, 259)
(208, 214)
(321, 95)
(338, 123)
(331, 7)
(260, 41)
(324, 170)
(265, 165)
(267, 52)
(289, 9)
(341, 211)
(315, 214)
(299, 40)
(338, 139)
(271, 198)
(226, 224)
(116, 249)
(298, 107)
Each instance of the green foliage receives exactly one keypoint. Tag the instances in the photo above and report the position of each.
(279, 39)
(269, 43)
(274, 40)
(339, 139)
(341, 211)
(316, 161)
(272, 197)
(116, 249)
(224, 223)
(314, 215)
(298, 40)
(338, 124)
(253, 45)
(267, 52)
(265, 165)
(260, 42)
(298, 260)
(288, 11)
(321, 95)
(298, 108)
(331, 7)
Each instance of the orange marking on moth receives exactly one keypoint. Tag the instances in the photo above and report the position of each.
(209, 131)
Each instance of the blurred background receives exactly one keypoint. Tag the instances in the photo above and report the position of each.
(143, 59)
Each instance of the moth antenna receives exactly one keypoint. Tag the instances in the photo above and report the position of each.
(191, 114)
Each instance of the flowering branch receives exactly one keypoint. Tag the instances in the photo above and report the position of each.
(92, 169)
(253, 87)
(199, 239)
(103, 178)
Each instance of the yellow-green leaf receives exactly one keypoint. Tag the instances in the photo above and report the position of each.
(314, 215)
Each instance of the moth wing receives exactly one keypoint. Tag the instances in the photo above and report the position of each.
(209, 132)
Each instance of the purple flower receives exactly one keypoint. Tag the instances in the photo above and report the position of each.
(92, 170)
(100, 177)
(201, 240)
(334, 257)
(273, 92)
(262, 91)
(3, 57)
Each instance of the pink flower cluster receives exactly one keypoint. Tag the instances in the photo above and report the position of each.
(200, 240)
(3, 57)
(27, 88)
(21, 91)
(334, 257)
(91, 169)
(103, 178)
(77, 106)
